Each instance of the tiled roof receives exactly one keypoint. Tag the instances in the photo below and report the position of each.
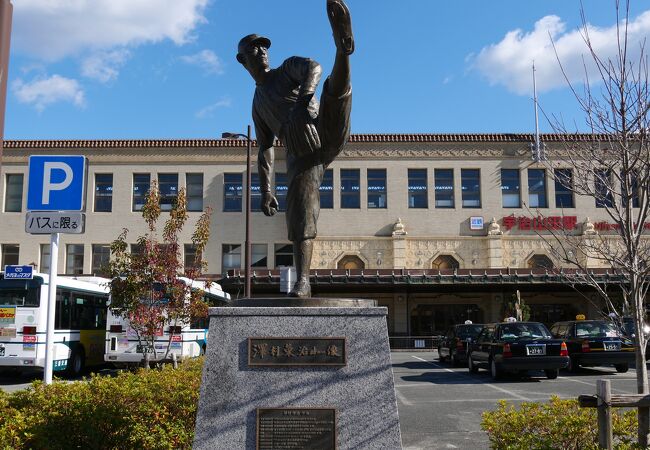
(355, 138)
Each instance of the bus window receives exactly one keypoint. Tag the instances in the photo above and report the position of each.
(19, 293)
(62, 318)
(101, 312)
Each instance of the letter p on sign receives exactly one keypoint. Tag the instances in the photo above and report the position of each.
(56, 183)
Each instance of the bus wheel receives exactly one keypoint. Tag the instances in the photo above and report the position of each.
(77, 362)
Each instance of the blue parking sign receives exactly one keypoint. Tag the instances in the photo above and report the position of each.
(56, 183)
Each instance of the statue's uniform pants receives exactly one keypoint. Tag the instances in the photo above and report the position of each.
(312, 144)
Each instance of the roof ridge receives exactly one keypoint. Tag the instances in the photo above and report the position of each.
(355, 138)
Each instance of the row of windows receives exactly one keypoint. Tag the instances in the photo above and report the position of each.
(74, 257)
(103, 193)
(418, 187)
(350, 190)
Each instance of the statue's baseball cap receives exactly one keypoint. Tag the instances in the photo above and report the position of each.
(250, 39)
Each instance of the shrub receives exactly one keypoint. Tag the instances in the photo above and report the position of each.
(558, 424)
(147, 409)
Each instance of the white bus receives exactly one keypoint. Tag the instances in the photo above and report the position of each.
(188, 340)
(79, 327)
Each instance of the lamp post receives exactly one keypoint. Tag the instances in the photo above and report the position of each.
(247, 243)
(6, 11)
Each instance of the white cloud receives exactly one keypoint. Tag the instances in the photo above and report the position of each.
(207, 112)
(42, 92)
(508, 63)
(205, 59)
(54, 29)
(104, 66)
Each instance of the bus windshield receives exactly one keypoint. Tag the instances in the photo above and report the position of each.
(19, 293)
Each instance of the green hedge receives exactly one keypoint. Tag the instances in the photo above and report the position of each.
(558, 424)
(154, 409)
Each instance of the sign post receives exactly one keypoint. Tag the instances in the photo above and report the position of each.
(55, 194)
(51, 305)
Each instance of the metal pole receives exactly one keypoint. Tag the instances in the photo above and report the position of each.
(247, 255)
(51, 304)
(6, 9)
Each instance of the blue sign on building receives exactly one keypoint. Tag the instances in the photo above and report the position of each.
(19, 272)
(56, 183)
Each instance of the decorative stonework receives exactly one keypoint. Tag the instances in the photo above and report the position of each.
(469, 253)
(494, 229)
(588, 227)
(328, 251)
(420, 153)
(398, 228)
(517, 251)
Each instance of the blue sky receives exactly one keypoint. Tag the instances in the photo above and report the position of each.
(149, 69)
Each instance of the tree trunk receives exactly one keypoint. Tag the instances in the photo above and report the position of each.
(641, 369)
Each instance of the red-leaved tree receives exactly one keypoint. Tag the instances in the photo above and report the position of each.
(146, 288)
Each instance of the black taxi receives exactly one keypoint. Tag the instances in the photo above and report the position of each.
(595, 343)
(513, 346)
(453, 346)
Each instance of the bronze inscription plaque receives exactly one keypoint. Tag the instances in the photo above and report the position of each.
(297, 351)
(296, 428)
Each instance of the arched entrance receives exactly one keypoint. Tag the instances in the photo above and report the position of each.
(350, 262)
(445, 262)
(540, 262)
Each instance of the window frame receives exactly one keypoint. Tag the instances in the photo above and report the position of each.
(326, 190)
(467, 195)
(505, 188)
(233, 253)
(103, 196)
(564, 191)
(94, 268)
(350, 199)
(450, 195)
(287, 253)
(136, 207)
(5, 254)
(71, 268)
(418, 192)
(233, 195)
(191, 191)
(281, 188)
(543, 192)
(167, 200)
(381, 192)
(14, 196)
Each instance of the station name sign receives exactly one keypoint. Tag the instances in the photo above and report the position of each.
(554, 223)
(540, 223)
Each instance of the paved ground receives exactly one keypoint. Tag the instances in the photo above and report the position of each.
(440, 407)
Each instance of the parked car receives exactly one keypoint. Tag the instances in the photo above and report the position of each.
(517, 347)
(453, 346)
(595, 343)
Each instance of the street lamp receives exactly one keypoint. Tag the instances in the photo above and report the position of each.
(247, 244)
(6, 11)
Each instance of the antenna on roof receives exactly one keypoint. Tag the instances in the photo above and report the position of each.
(537, 146)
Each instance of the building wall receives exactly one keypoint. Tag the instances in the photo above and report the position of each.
(397, 237)
(364, 232)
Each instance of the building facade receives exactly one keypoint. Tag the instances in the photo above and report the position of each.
(438, 228)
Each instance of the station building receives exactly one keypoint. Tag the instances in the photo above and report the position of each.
(439, 228)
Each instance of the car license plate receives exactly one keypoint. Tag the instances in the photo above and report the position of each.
(535, 350)
(612, 346)
(2, 350)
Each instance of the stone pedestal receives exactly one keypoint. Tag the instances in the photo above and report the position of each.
(359, 389)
